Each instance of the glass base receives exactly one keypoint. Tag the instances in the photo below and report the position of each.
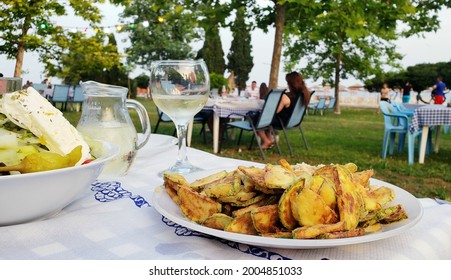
(181, 168)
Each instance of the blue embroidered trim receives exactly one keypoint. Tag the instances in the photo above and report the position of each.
(110, 191)
(247, 249)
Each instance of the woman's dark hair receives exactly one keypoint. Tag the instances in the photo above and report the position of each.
(263, 90)
(297, 85)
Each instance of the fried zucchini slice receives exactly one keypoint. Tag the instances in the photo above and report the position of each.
(387, 215)
(309, 209)
(174, 180)
(278, 177)
(350, 203)
(199, 184)
(377, 198)
(226, 186)
(279, 234)
(238, 197)
(308, 232)
(195, 206)
(363, 177)
(284, 163)
(266, 218)
(257, 175)
(285, 212)
(250, 201)
(242, 224)
(326, 189)
(343, 234)
(172, 194)
(217, 221)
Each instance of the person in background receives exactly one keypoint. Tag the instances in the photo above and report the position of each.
(48, 92)
(27, 85)
(385, 93)
(1, 75)
(296, 89)
(253, 92)
(439, 88)
(405, 90)
(263, 90)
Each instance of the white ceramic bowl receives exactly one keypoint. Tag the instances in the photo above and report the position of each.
(34, 196)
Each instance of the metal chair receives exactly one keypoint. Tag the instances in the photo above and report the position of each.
(295, 120)
(330, 105)
(162, 117)
(262, 122)
(319, 106)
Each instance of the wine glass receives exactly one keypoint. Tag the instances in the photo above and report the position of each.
(180, 89)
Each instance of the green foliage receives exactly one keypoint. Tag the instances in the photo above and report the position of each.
(239, 57)
(212, 51)
(421, 76)
(142, 80)
(77, 57)
(27, 25)
(218, 80)
(338, 39)
(169, 39)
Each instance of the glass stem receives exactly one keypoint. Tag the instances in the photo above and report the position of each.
(181, 135)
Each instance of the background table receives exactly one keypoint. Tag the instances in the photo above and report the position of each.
(230, 108)
(114, 220)
(426, 116)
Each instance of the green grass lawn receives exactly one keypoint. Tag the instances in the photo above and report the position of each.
(355, 136)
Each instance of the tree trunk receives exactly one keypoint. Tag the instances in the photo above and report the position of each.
(19, 60)
(21, 47)
(277, 51)
(337, 83)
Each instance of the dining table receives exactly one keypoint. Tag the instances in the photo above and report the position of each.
(119, 219)
(233, 107)
(425, 117)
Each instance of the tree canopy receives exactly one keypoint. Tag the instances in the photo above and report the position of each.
(160, 29)
(240, 60)
(26, 26)
(338, 39)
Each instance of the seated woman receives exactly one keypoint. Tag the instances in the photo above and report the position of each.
(296, 89)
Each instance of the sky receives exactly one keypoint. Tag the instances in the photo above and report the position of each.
(433, 47)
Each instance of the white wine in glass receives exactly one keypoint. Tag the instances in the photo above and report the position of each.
(180, 89)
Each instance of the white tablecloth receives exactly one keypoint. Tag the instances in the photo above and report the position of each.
(115, 221)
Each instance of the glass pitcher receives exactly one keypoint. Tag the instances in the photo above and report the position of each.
(105, 117)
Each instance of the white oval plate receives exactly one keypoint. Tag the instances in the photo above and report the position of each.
(166, 207)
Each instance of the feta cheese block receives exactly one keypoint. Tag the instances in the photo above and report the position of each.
(30, 110)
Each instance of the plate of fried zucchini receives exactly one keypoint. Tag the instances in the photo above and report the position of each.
(294, 206)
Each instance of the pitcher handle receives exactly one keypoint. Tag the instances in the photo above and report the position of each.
(144, 119)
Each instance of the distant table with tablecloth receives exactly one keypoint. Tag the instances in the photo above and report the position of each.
(426, 116)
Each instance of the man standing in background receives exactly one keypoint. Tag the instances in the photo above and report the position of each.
(438, 89)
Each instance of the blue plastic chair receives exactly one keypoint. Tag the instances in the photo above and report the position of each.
(397, 123)
(294, 121)
(402, 109)
(319, 106)
(330, 105)
(262, 122)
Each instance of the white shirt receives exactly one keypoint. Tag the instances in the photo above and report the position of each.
(253, 93)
